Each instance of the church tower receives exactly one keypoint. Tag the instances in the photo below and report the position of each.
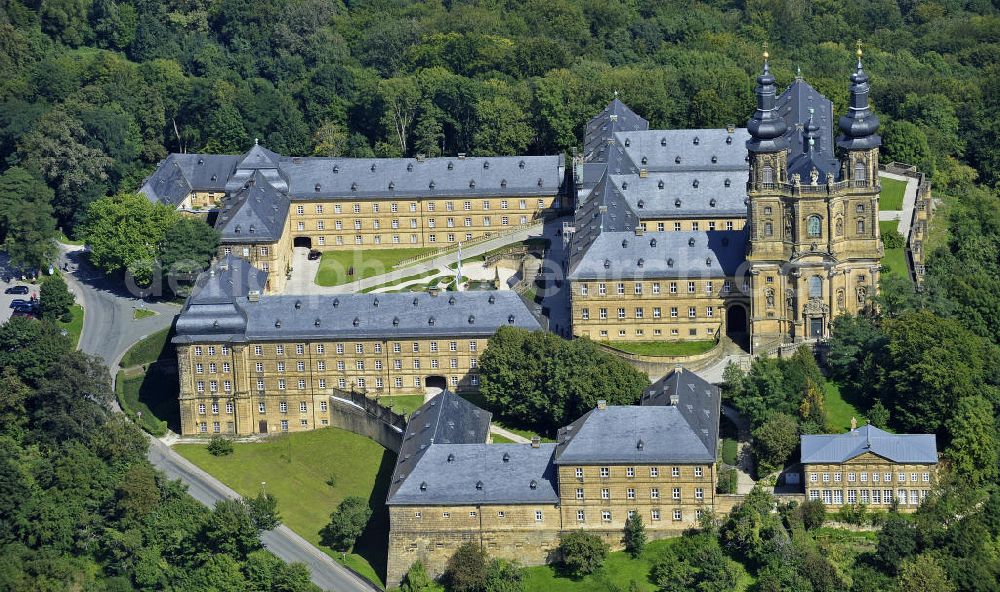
(814, 245)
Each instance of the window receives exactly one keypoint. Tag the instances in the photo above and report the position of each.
(630, 493)
(692, 312)
(579, 493)
(826, 477)
(580, 516)
(199, 369)
(602, 313)
(579, 473)
(229, 407)
(673, 313)
(300, 366)
(926, 477)
(814, 226)
(864, 477)
(657, 312)
(860, 174)
(260, 384)
(281, 384)
(605, 472)
(606, 515)
(585, 314)
(654, 493)
(279, 350)
(815, 287)
(699, 471)
(654, 514)
(836, 477)
(284, 425)
(501, 514)
(813, 494)
(813, 477)
(605, 493)
(852, 496)
(258, 350)
(677, 226)
(676, 493)
(675, 471)
(538, 515)
(281, 367)
(766, 174)
(621, 313)
(838, 496)
(861, 226)
(322, 406)
(621, 289)
(201, 408)
(690, 287)
(677, 515)
(699, 493)
(827, 496)
(638, 289)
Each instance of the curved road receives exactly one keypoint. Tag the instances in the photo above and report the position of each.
(108, 331)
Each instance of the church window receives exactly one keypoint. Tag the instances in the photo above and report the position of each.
(861, 226)
(815, 287)
(768, 228)
(860, 174)
(813, 226)
(767, 174)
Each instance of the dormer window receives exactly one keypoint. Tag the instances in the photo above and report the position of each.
(660, 184)
(336, 169)
(652, 242)
(644, 160)
(625, 243)
(694, 183)
(492, 299)
(628, 142)
(318, 187)
(451, 165)
(486, 164)
(715, 159)
(503, 183)
(336, 302)
(472, 319)
(540, 182)
(696, 140)
(691, 242)
(641, 262)
(357, 321)
(641, 204)
(677, 159)
(409, 167)
(607, 264)
(392, 186)
(712, 202)
(624, 185)
(201, 160)
(373, 167)
(354, 186)
(670, 261)
(520, 164)
(510, 320)
(395, 321)
(729, 140)
(663, 141)
(728, 182)
(677, 203)
(431, 184)
(430, 321)
(472, 183)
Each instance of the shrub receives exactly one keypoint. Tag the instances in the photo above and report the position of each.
(332, 481)
(728, 481)
(893, 240)
(582, 552)
(635, 535)
(346, 523)
(813, 514)
(220, 446)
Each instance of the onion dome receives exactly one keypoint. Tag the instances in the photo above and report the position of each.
(766, 127)
(859, 125)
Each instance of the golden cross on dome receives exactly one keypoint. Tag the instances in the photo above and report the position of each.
(766, 55)
(859, 52)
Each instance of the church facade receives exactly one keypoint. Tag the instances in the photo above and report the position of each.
(763, 233)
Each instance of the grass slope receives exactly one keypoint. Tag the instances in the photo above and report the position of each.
(296, 468)
(839, 411)
(664, 348)
(148, 349)
(141, 313)
(405, 404)
(75, 327)
(894, 259)
(334, 265)
(150, 398)
(892, 194)
(617, 574)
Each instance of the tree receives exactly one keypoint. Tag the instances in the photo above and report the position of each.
(31, 348)
(346, 524)
(812, 410)
(504, 576)
(925, 573)
(416, 579)
(556, 380)
(974, 443)
(903, 141)
(502, 127)
(18, 186)
(55, 299)
(188, 247)
(126, 232)
(31, 235)
(774, 441)
(751, 530)
(813, 514)
(466, 569)
(897, 541)
(696, 562)
(635, 535)
(230, 529)
(330, 139)
(582, 553)
(878, 415)
(401, 98)
(264, 511)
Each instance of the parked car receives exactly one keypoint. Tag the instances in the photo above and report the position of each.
(19, 302)
(23, 313)
(24, 308)
(314, 255)
(16, 290)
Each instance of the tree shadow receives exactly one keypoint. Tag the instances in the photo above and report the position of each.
(158, 392)
(373, 544)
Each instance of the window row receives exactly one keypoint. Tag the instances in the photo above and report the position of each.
(359, 382)
(630, 472)
(639, 312)
(657, 332)
(657, 288)
(501, 514)
(911, 497)
(654, 493)
(884, 476)
(430, 206)
(341, 365)
(678, 226)
(358, 348)
(395, 224)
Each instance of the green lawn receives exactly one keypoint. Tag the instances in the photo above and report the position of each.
(894, 259)
(892, 194)
(839, 411)
(334, 265)
(150, 398)
(296, 468)
(75, 327)
(141, 313)
(619, 571)
(62, 238)
(409, 278)
(498, 439)
(148, 349)
(405, 404)
(663, 348)
(729, 451)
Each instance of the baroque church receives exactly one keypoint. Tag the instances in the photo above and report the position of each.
(764, 233)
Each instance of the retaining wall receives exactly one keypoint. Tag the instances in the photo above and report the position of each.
(351, 417)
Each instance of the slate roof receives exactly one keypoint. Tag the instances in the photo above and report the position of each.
(362, 178)
(838, 448)
(631, 434)
(479, 474)
(180, 174)
(390, 316)
(599, 133)
(213, 311)
(793, 105)
(691, 194)
(695, 148)
(699, 401)
(224, 295)
(254, 213)
(670, 254)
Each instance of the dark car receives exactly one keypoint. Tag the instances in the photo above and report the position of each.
(16, 290)
(22, 313)
(314, 254)
(19, 302)
(24, 308)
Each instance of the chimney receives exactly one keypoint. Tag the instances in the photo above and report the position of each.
(638, 230)
(602, 404)
(434, 291)
(536, 442)
(854, 424)
(675, 400)
(254, 296)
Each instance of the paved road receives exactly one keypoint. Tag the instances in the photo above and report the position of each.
(909, 202)
(288, 546)
(109, 330)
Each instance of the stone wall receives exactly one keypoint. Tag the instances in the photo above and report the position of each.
(348, 416)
